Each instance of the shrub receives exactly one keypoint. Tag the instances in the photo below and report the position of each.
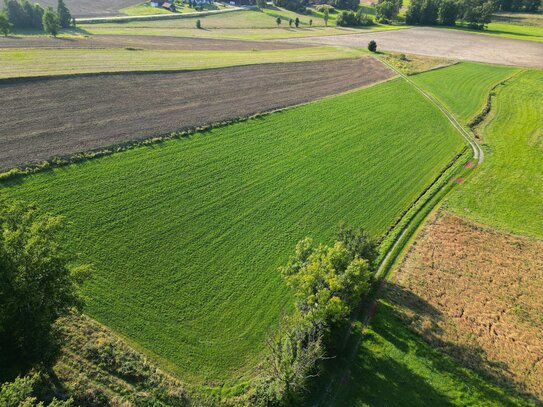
(293, 5)
(346, 19)
(321, 7)
(5, 25)
(64, 16)
(198, 24)
(51, 24)
(261, 3)
(372, 46)
(346, 4)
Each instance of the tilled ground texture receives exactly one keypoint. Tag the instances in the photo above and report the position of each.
(444, 43)
(94, 8)
(143, 42)
(478, 294)
(42, 119)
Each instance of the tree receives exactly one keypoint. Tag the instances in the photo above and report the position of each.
(290, 21)
(5, 25)
(261, 3)
(357, 241)
(19, 393)
(64, 16)
(278, 21)
(50, 22)
(38, 17)
(297, 22)
(346, 19)
(198, 24)
(448, 12)
(326, 15)
(15, 13)
(37, 285)
(372, 46)
(346, 4)
(310, 23)
(386, 11)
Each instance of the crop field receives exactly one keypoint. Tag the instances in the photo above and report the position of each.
(186, 235)
(158, 103)
(463, 87)
(60, 61)
(506, 192)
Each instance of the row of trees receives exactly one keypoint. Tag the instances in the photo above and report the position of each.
(518, 5)
(328, 282)
(21, 15)
(474, 13)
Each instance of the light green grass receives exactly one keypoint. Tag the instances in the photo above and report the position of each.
(246, 24)
(396, 368)
(506, 30)
(507, 191)
(143, 9)
(33, 62)
(186, 236)
(463, 87)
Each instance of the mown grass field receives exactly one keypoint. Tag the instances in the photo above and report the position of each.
(507, 191)
(44, 61)
(186, 236)
(463, 87)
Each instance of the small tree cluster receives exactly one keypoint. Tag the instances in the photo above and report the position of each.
(387, 11)
(474, 13)
(351, 19)
(293, 5)
(530, 6)
(22, 15)
(20, 393)
(328, 283)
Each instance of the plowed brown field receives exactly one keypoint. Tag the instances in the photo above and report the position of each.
(41, 119)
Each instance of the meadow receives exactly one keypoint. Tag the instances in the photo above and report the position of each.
(56, 61)
(463, 87)
(506, 191)
(186, 235)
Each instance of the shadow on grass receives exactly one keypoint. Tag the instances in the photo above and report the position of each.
(390, 365)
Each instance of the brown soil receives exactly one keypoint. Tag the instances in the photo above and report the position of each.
(144, 42)
(478, 294)
(92, 8)
(46, 118)
(444, 43)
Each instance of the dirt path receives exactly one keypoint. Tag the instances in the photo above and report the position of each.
(145, 42)
(444, 43)
(47, 118)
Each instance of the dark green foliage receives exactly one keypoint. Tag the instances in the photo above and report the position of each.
(477, 13)
(261, 3)
(345, 4)
(37, 285)
(357, 241)
(350, 19)
(15, 13)
(326, 16)
(297, 22)
(5, 25)
(37, 17)
(64, 16)
(20, 393)
(448, 12)
(293, 5)
(518, 5)
(50, 22)
(198, 24)
(372, 46)
(278, 21)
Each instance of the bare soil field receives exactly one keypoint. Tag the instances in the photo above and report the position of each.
(94, 8)
(144, 42)
(477, 294)
(42, 119)
(444, 43)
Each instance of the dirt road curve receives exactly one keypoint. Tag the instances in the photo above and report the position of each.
(145, 42)
(444, 43)
(92, 8)
(46, 118)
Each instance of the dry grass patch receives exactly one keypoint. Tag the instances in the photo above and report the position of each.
(477, 294)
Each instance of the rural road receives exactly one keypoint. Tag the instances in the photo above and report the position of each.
(445, 43)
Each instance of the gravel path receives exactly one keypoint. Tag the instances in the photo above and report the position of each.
(46, 118)
(444, 43)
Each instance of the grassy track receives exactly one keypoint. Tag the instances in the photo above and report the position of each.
(463, 88)
(507, 190)
(36, 62)
(221, 210)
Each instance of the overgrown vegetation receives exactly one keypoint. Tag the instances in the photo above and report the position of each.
(474, 13)
(242, 298)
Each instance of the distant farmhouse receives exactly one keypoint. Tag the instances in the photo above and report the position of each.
(163, 4)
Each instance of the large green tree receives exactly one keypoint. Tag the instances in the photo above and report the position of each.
(5, 25)
(64, 16)
(37, 285)
(50, 22)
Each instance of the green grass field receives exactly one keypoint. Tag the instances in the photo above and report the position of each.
(507, 191)
(186, 236)
(396, 368)
(463, 87)
(37, 61)
(246, 24)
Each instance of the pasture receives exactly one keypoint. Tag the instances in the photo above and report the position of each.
(506, 192)
(69, 61)
(186, 235)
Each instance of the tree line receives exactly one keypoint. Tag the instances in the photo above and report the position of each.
(21, 15)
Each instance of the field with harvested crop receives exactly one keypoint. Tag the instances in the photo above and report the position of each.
(158, 103)
(95, 8)
(186, 235)
(464, 87)
(60, 61)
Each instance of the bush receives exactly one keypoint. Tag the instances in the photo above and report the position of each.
(346, 4)
(293, 5)
(346, 19)
(321, 7)
(372, 46)
(198, 24)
